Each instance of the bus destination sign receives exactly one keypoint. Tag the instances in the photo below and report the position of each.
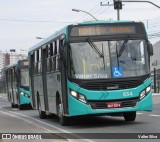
(102, 30)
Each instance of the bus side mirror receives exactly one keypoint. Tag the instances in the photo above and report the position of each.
(150, 49)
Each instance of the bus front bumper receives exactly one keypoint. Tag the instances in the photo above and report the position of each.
(77, 107)
(24, 100)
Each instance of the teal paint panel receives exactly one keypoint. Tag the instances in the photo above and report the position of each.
(109, 95)
(77, 107)
(146, 103)
(23, 99)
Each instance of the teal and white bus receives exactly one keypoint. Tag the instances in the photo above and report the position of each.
(92, 68)
(17, 84)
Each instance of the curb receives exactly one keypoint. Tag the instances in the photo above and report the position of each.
(155, 94)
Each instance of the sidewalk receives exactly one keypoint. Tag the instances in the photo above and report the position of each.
(156, 94)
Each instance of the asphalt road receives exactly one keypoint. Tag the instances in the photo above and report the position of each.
(14, 120)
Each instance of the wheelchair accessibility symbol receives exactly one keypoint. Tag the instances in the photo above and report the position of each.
(117, 72)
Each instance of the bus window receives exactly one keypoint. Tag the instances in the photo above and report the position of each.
(48, 58)
(46, 51)
(57, 55)
(58, 41)
(53, 51)
(35, 61)
(37, 55)
(39, 61)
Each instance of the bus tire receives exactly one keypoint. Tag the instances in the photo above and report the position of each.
(12, 105)
(130, 116)
(42, 114)
(64, 120)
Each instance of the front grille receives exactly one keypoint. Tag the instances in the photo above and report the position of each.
(103, 104)
(110, 84)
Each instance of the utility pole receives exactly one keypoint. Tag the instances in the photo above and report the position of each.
(117, 6)
(155, 78)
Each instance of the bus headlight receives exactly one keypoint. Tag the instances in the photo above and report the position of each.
(145, 92)
(78, 96)
(148, 89)
(25, 95)
(22, 93)
(142, 94)
(82, 98)
(74, 93)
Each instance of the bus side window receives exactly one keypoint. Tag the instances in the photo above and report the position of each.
(48, 58)
(53, 50)
(35, 63)
(51, 54)
(57, 55)
(39, 61)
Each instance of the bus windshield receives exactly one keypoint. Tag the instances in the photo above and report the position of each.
(24, 77)
(85, 63)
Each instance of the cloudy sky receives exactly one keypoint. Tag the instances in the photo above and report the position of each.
(21, 21)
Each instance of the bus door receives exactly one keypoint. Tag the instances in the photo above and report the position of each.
(44, 73)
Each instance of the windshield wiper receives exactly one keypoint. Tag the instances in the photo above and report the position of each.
(123, 46)
(94, 47)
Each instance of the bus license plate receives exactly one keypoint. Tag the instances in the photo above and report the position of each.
(114, 105)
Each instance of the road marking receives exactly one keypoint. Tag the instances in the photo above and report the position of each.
(12, 115)
(26, 121)
(4, 106)
(154, 115)
(139, 113)
(3, 97)
(62, 130)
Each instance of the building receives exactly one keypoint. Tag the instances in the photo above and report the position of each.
(2, 60)
(155, 59)
(7, 59)
(10, 58)
(155, 66)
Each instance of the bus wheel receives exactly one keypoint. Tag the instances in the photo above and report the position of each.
(42, 114)
(64, 121)
(12, 105)
(130, 116)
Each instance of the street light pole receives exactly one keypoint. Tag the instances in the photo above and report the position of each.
(118, 5)
(141, 1)
(78, 10)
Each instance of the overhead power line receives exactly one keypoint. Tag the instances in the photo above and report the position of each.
(38, 21)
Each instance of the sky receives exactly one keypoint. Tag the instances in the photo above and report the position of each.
(21, 21)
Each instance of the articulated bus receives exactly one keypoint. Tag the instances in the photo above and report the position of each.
(17, 83)
(92, 68)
